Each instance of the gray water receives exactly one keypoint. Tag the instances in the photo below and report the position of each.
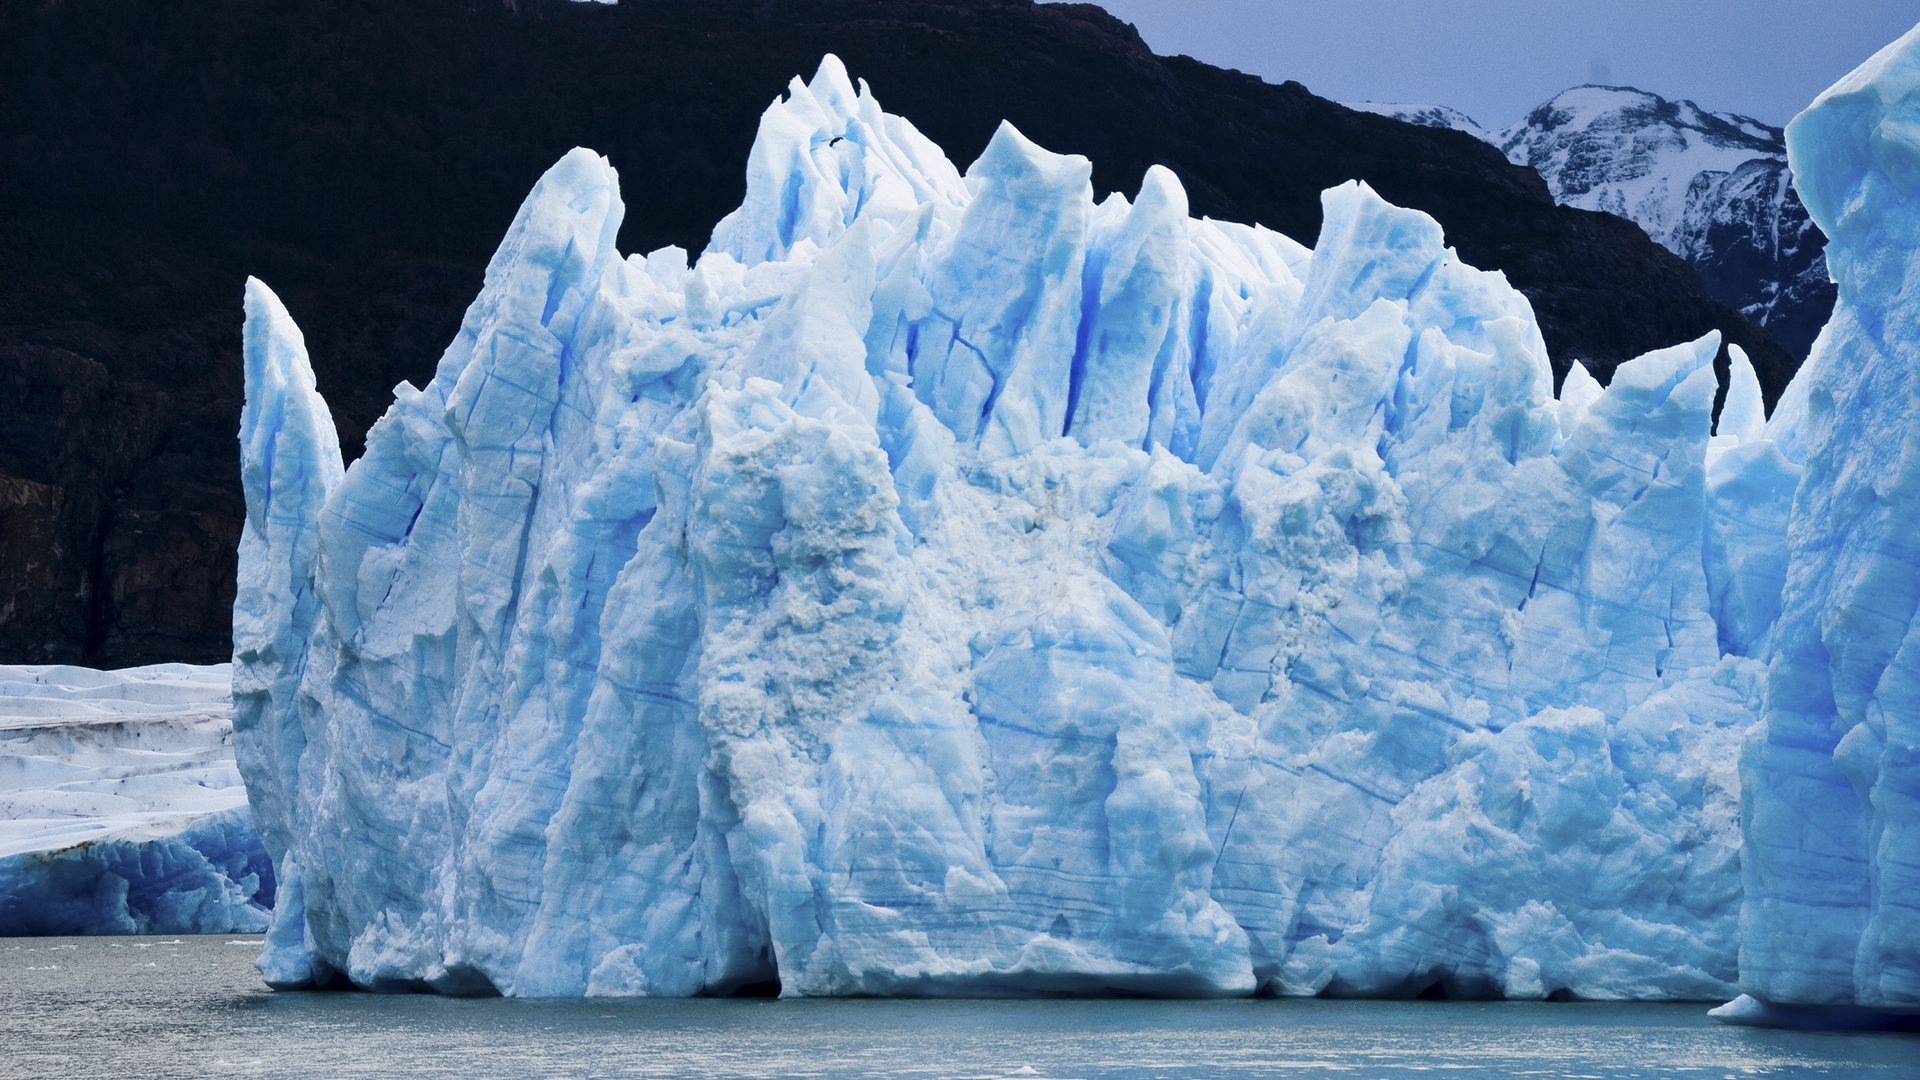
(152, 1008)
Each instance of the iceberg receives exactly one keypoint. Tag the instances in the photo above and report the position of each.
(121, 809)
(950, 583)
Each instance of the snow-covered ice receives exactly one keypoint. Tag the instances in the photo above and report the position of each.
(952, 584)
(121, 810)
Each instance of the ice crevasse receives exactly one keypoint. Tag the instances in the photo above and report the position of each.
(953, 584)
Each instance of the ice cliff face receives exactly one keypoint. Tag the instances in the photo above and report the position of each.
(1832, 822)
(950, 583)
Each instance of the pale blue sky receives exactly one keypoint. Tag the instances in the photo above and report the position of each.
(1495, 59)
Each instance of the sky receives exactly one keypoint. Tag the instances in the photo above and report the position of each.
(1497, 59)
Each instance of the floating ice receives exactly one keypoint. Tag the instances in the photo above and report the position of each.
(121, 810)
(954, 584)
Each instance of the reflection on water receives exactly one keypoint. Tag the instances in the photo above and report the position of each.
(152, 1008)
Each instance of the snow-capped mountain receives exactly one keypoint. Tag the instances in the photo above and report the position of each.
(1636, 154)
(1713, 188)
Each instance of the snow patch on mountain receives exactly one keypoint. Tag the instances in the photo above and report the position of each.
(1439, 116)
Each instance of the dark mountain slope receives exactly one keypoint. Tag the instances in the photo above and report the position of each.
(363, 157)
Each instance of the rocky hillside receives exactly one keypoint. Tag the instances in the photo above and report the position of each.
(364, 156)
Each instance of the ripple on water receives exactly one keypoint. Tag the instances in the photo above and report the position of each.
(157, 1008)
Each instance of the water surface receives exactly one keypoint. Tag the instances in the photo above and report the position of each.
(158, 1007)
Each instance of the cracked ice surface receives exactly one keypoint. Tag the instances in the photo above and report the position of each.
(953, 584)
(1832, 824)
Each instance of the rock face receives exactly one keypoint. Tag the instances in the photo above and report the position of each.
(116, 523)
(1713, 188)
(955, 583)
(363, 155)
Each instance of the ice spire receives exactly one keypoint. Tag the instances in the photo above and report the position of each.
(289, 463)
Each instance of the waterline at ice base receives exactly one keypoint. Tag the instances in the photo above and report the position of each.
(951, 584)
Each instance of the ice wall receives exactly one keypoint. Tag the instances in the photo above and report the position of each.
(1832, 818)
(950, 583)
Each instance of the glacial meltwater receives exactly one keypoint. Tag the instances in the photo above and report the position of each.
(156, 1007)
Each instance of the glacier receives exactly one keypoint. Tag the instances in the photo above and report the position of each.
(948, 583)
(121, 809)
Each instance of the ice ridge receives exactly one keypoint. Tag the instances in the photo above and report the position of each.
(955, 584)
